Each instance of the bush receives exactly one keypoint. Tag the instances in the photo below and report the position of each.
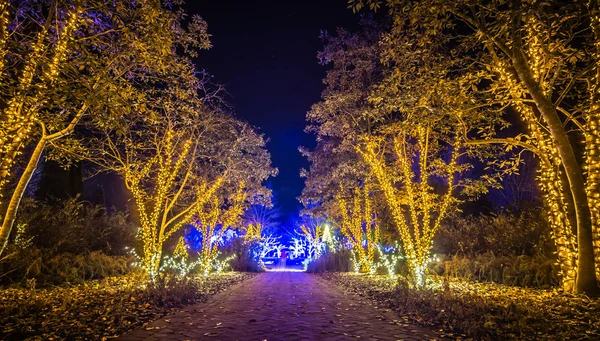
(65, 242)
(507, 233)
(74, 227)
(524, 271)
(247, 255)
(337, 261)
(523, 251)
(36, 268)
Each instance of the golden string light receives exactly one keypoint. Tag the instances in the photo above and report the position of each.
(19, 117)
(207, 218)
(171, 168)
(359, 225)
(418, 217)
(592, 140)
(550, 175)
(4, 21)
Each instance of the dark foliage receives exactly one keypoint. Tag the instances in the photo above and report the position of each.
(247, 255)
(36, 268)
(338, 261)
(525, 271)
(72, 226)
(525, 232)
(66, 242)
(507, 247)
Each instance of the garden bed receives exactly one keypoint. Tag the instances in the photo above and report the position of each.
(487, 311)
(101, 309)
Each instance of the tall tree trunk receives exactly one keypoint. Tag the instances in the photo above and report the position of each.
(586, 273)
(592, 152)
(15, 200)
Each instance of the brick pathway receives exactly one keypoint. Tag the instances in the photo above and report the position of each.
(282, 306)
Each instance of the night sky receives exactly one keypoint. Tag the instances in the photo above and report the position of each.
(264, 52)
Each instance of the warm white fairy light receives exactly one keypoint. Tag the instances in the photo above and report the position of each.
(358, 224)
(426, 207)
(21, 113)
(550, 176)
(208, 217)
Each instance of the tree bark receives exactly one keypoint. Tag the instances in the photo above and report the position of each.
(586, 275)
(15, 200)
(586, 282)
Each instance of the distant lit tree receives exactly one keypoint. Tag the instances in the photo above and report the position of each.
(313, 233)
(212, 219)
(268, 244)
(298, 247)
(358, 223)
(262, 214)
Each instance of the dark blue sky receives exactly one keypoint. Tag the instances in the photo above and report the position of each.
(265, 54)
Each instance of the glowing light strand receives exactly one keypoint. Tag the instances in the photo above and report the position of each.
(359, 225)
(416, 236)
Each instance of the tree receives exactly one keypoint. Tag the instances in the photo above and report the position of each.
(207, 219)
(402, 123)
(64, 62)
(359, 225)
(262, 215)
(268, 244)
(354, 58)
(181, 159)
(312, 231)
(418, 208)
(541, 60)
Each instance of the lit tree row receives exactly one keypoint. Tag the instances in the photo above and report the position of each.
(540, 60)
(182, 170)
(112, 73)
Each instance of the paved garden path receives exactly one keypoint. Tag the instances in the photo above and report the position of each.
(282, 306)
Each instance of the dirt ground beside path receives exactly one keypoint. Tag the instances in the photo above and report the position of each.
(282, 306)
